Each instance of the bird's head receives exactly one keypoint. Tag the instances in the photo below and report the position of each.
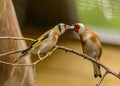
(78, 27)
(62, 27)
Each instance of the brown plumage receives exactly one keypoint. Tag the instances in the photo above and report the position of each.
(91, 44)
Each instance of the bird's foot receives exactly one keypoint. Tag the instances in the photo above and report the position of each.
(49, 53)
(40, 59)
(98, 61)
(85, 55)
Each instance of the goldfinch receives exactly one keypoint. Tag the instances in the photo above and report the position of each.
(91, 44)
(45, 42)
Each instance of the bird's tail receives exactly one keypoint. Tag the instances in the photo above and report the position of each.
(97, 70)
(23, 53)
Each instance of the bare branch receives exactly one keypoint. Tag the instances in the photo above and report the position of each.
(108, 70)
(100, 81)
(91, 59)
(12, 64)
(15, 38)
(9, 53)
(18, 38)
(34, 71)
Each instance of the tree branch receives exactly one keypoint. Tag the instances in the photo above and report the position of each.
(100, 81)
(91, 59)
(108, 70)
(18, 38)
(11, 52)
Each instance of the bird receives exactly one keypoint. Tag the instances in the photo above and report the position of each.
(45, 42)
(91, 44)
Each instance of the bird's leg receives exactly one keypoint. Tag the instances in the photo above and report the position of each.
(98, 60)
(85, 55)
(49, 53)
(40, 57)
(45, 56)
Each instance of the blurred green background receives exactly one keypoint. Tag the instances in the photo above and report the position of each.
(66, 69)
(100, 13)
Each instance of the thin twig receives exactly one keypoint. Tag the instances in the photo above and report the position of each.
(26, 71)
(12, 64)
(34, 71)
(18, 38)
(100, 81)
(91, 59)
(108, 70)
(11, 52)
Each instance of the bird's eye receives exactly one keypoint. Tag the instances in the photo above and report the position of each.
(64, 25)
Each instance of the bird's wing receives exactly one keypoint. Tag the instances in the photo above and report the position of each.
(41, 38)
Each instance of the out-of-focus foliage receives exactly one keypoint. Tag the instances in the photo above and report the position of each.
(102, 13)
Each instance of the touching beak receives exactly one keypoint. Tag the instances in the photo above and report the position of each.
(71, 27)
(67, 27)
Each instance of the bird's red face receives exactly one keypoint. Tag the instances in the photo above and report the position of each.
(76, 27)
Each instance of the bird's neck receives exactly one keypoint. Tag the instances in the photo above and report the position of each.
(56, 33)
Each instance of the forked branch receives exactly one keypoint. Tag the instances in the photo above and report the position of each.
(108, 70)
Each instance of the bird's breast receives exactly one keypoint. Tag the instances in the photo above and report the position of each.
(91, 48)
(44, 46)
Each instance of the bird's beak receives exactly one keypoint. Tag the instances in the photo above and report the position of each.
(71, 27)
(67, 26)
